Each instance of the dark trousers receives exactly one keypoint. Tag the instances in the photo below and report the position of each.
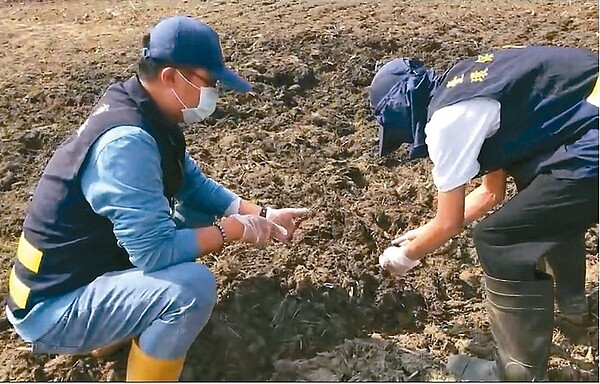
(549, 217)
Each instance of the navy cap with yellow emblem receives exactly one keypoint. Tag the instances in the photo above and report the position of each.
(399, 96)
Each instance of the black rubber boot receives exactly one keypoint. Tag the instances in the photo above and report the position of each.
(521, 319)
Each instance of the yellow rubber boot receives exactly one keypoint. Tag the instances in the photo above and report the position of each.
(141, 367)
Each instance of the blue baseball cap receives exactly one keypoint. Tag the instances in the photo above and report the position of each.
(399, 96)
(182, 40)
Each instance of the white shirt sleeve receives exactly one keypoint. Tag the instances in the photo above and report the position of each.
(454, 137)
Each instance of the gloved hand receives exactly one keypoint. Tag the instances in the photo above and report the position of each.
(259, 230)
(395, 261)
(289, 218)
(408, 236)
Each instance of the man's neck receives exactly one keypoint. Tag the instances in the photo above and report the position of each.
(152, 90)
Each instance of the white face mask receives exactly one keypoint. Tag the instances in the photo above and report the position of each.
(206, 104)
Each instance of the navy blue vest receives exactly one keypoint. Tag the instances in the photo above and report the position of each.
(541, 91)
(65, 244)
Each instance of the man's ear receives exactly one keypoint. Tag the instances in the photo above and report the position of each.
(167, 76)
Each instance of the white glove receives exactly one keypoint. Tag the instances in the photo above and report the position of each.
(259, 230)
(408, 236)
(395, 261)
(289, 218)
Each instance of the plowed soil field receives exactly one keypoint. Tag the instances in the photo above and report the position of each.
(320, 308)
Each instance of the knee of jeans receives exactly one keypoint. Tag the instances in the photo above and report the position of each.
(195, 287)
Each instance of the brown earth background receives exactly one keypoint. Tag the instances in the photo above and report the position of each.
(320, 308)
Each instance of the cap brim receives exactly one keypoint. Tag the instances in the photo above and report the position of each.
(393, 131)
(232, 80)
(388, 142)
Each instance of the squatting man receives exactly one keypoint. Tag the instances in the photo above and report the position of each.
(121, 213)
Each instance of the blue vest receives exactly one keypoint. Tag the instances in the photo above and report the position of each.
(543, 118)
(65, 244)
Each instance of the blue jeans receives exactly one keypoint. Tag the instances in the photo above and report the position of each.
(166, 309)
